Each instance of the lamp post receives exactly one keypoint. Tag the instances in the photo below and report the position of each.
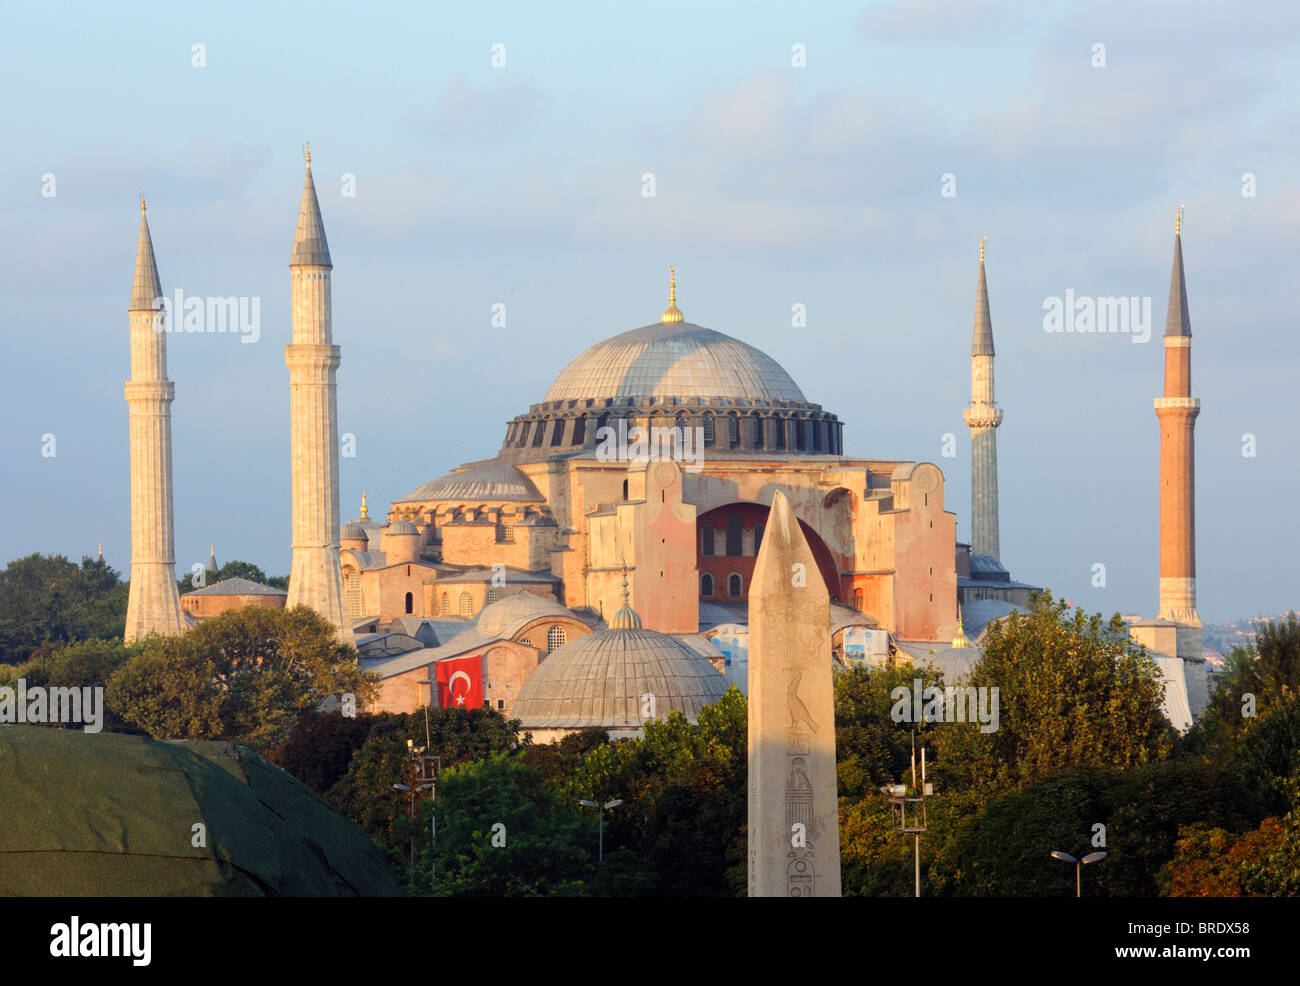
(415, 774)
(1065, 857)
(600, 811)
(909, 812)
(433, 797)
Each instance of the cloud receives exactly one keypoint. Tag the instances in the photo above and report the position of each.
(466, 111)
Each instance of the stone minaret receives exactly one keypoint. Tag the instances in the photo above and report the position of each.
(794, 835)
(154, 605)
(982, 417)
(314, 579)
(1177, 411)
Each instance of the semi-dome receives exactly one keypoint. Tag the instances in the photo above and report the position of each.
(491, 482)
(502, 616)
(674, 359)
(601, 680)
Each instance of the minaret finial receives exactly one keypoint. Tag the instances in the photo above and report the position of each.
(1178, 220)
(306, 149)
(142, 203)
(365, 512)
(101, 550)
(982, 239)
(672, 313)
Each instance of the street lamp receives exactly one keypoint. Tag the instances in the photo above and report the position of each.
(909, 812)
(1065, 857)
(601, 825)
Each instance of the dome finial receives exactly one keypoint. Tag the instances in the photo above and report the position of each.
(365, 513)
(1178, 221)
(960, 640)
(672, 313)
(626, 617)
(982, 239)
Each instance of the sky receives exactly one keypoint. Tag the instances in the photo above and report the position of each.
(846, 158)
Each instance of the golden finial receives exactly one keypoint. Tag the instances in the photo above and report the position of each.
(1178, 220)
(672, 313)
(142, 203)
(365, 513)
(960, 640)
(101, 550)
(306, 149)
(982, 239)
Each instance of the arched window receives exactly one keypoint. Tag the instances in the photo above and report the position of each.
(446, 604)
(800, 436)
(756, 430)
(602, 422)
(625, 489)
(706, 548)
(557, 431)
(733, 432)
(706, 584)
(555, 638)
(821, 435)
(538, 428)
(525, 641)
(681, 424)
(733, 535)
(466, 604)
(735, 586)
(410, 604)
(758, 537)
(580, 430)
(493, 596)
(857, 600)
(779, 427)
(708, 430)
(352, 587)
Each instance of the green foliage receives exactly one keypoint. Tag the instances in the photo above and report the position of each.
(1073, 691)
(365, 793)
(245, 675)
(85, 664)
(543, 846)
(870, 748)
(321, 746)
(47, 602)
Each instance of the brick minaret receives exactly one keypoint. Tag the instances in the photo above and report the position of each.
(1177, 411)
(983, 417)
(314, 579)
(153, 605)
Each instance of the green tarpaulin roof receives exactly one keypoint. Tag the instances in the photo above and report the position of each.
(84, 814)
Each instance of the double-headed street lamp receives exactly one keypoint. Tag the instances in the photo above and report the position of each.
(600, 809)
(1065, 857)
(909, 812)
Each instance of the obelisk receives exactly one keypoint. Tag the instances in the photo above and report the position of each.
(794, 835)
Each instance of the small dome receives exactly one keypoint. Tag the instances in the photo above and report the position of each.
(402, 527)
(601, 679)
(502, 616)
(494, 481)
(353, 532)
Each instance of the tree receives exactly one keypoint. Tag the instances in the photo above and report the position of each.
(321, 746)
(47, 601)
(245, 675)
(85, 664)
(1072, 691)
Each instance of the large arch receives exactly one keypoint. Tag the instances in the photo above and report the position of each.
(722, 565)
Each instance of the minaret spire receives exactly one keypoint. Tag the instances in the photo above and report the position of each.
(153, 603)
(315, 578)
(1177, 410)
(983, 417)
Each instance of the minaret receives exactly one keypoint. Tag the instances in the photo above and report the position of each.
(982, 417)
(314, 579)
(154, 604)
(1177, 411)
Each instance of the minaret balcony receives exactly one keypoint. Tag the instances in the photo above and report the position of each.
(1190, 402)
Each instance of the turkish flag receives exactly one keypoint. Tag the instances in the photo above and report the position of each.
(460, 683)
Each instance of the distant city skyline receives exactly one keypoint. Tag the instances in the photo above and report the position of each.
(522, 185)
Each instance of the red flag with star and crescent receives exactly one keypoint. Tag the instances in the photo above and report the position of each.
(460, 682)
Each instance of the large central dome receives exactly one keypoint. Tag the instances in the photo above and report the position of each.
(678, 359)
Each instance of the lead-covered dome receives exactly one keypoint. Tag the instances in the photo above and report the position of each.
(602, 680)
(678, 359)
